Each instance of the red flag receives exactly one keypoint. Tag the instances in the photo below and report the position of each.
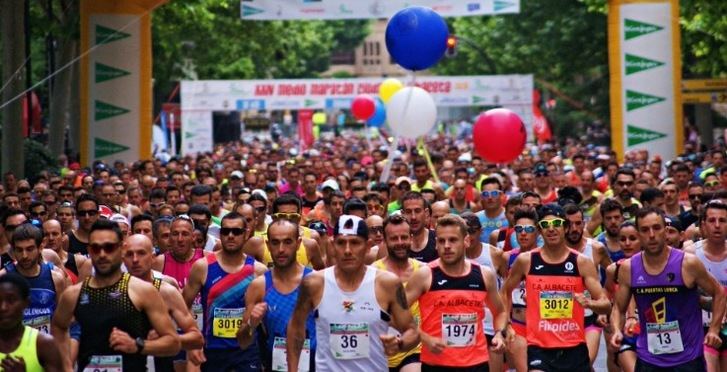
(305, 129)
(541, 128)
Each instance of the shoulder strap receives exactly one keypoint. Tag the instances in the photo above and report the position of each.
(269, 280)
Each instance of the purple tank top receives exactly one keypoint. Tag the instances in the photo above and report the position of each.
(669, 313)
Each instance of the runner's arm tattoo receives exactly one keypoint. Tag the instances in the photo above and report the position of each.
(401, 297)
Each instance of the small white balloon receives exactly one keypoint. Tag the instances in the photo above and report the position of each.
(411, 112)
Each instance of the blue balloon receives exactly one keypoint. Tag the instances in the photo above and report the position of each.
(379, 117)
(416, 37)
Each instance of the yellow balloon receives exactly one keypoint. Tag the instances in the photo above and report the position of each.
(319, 118)
(388, 88)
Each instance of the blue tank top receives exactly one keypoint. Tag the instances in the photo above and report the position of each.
(615, 256)
(669, 313)
(280, 310)
(223, 303)
(42, 298)
(490, 224)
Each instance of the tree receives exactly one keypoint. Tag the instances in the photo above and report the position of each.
(561, 43)
(13, 41)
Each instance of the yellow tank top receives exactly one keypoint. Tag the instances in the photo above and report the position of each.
(395, 360)
(27, 350)
(301, 255)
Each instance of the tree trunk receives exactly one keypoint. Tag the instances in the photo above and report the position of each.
(74, 122)
(61, 98)
(13, 39)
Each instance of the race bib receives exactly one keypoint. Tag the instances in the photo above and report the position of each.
(226, 322)
(41, 323)
(280, 356)
(197, 312)
(349, 340)
(556, 305)
(105, 363)
(664, 338)
(518, 297)
(587, 311)
(458, 330)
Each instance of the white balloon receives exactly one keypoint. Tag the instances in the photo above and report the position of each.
(411, 112)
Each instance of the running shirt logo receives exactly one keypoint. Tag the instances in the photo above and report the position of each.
(347, 305)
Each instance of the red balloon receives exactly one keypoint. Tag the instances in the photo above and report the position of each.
(499, 135)
(363, 107)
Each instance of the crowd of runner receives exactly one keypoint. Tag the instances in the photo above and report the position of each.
(258, 257)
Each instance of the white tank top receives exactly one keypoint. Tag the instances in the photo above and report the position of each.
(588, 252)
(717, 269)
(588, 249)
(485, 260)
(348, 325)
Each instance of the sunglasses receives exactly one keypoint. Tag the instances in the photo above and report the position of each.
(538, 175)
(556, 223)
(624, 184)
(260, 209)
(695, 196)
(711, 183)
(376, 229)
(491, 194)
(108, 248)
(529, 229)
(286, 216)
(87, 213)
(236, 231)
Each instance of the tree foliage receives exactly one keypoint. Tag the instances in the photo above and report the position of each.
(209, 38)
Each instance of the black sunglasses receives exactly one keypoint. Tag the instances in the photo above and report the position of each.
(87, 213)
(236, 231)
(108, 248)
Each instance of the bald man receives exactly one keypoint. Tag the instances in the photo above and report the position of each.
(77, 266)
(439, 209)
(138, 260)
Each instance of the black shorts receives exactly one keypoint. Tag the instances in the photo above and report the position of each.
(231, 360)
(414, 358)
(590, 322)
(484, 367)
(696, 365)
(568, 359)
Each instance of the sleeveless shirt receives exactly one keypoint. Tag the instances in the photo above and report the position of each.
(42, 305)
(28, 350)
(429, 253)
(348, 325)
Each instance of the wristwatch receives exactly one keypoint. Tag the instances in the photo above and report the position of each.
(140, 342)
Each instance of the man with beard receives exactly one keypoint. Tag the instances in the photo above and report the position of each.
(310, 196)
(452, 293)
(665, 284)
(613, 217)
(398, 243)
(713, 254)
(416, 211)
(354, 304)
(270, 300)
(46, 282)
(23, 348)
(138, 259)
(87, 214)
(222, 279)
(696, 192)
(555, 279)
(115, 311)
(597, 253)
(525, 180)
(623, 191)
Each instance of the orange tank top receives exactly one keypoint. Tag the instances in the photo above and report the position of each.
(554, 317)
(453, 309)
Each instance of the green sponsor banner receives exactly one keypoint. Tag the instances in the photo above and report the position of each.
(638, 135)
(105, 110)
(105, 35)
(634, 64)
(634, 29)
(636, 100)
(102, 148)
(106, 72)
